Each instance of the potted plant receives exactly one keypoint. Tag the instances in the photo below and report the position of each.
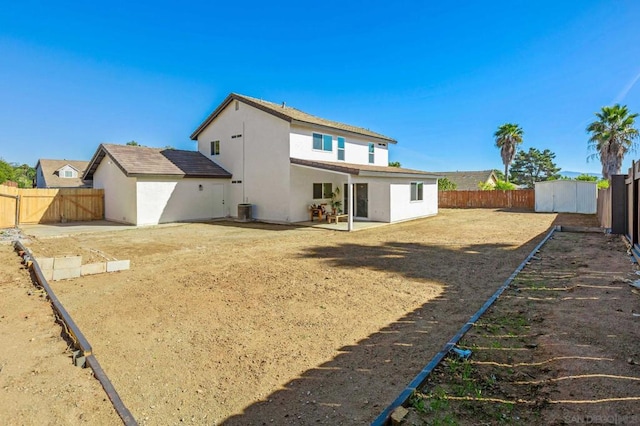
(336, 203)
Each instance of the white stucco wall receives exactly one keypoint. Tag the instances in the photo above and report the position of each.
(119, 192)
(173, 200)
(356, 147)
(259, 159)
(379, 201)
(402, 208)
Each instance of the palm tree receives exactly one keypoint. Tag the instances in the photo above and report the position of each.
(612, 136)
(508, 136)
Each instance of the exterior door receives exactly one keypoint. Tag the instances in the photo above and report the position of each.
(361, 200)
(218, 200)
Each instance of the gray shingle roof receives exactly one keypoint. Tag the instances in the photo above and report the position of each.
(289, 114)
(143, 161)
(53, 180)
(363, 169)
(468, 180)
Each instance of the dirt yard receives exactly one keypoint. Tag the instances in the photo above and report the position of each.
(228, 323)
(38, 384)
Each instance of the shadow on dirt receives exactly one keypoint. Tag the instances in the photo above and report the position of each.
(356, 385)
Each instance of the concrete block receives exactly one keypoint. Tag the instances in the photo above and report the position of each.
(93, 268)
(45, 262)
(65, 273)
(398, 414)
(67, 262)
(117, 265)
(48, 274)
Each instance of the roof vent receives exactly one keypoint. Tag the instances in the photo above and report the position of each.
(284, 104)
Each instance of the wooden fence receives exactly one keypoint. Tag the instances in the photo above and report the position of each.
(519, 199)
(22, 206)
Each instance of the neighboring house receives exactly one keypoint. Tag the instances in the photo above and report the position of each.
(469, 181)
(282, 160)
(147, 186)
(61, 174)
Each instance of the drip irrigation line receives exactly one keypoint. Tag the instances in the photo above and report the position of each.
(383, 418)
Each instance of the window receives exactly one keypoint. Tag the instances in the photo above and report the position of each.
(371, 153)
(215, 147)
(416, 191)
(322, 142)
(67, 174)
(340, 148)
(322, 190)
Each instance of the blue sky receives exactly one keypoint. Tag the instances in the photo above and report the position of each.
(439, 77)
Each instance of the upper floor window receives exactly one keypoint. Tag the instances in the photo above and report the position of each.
(215, 147)
(371, 152)
(322, 142)
(416, 191)
(67, 174)
(340, 148)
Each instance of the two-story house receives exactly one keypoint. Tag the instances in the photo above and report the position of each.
(282, 160)
(278, 159)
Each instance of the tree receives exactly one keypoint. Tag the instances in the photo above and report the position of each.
(500, 184)
(612, 135)
(24, 175)
(534, 166)
(394, 164)
(508, 137)
(587, 178)
(6, 171)
(133, 143)
(444, 184)
(499, 174)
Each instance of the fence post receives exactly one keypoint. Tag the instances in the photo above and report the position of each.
(17, 221)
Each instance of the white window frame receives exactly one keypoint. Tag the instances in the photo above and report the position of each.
(341, 150)
(324, 139)
(417, 191)
(326, 186)
(372, 153)
(215, 147)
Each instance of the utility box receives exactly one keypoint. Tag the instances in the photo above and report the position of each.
(245, 212)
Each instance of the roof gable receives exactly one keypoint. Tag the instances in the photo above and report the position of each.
(50, 173)
(69, 166)
(136, 161)
(469, 180)
(292, 115)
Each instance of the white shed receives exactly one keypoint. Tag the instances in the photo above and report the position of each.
(566, 196)
(147, 186)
